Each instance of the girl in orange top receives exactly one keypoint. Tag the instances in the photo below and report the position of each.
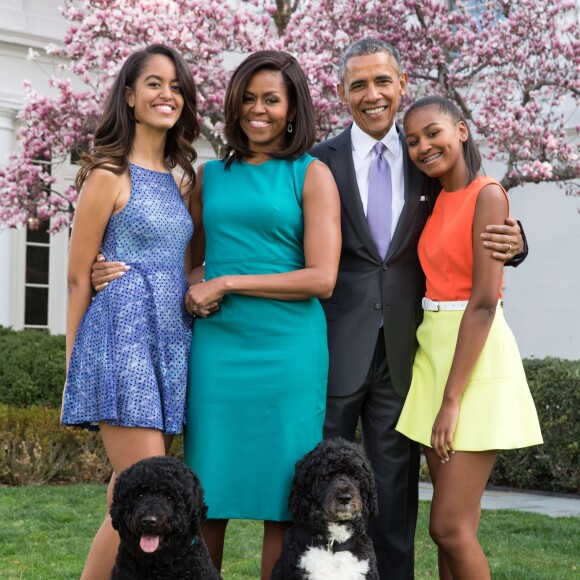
(469, 395)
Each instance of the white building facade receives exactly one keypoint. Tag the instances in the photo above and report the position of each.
(541, 295)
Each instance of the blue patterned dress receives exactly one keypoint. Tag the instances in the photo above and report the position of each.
(129, 361)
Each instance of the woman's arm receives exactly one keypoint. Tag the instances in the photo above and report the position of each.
(196, 249)
(97, 202)
(195, 254)
(322, 242)
(491, 207)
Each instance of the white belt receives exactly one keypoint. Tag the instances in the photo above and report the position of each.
(436, 306)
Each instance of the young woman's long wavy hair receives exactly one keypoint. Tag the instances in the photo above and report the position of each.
(115, 133)
(303, 134)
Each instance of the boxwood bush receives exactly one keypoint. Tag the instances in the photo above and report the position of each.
(555, 465)
(34, 448)
(32, 367)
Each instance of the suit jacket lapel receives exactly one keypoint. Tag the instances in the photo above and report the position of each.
(412, 200)
(343, 170)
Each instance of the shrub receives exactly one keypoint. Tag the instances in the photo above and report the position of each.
(35, 449)
(32, 367)
(555, 465)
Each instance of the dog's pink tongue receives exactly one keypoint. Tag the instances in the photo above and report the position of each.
(149, 543)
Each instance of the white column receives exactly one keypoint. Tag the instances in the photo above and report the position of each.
(57, 292)
(7, 115)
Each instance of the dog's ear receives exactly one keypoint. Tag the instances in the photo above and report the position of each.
(295, 500)
(368, 487)
(300, 491)
(304, 499)
(371, 498)
(198, 507)
(119, 502)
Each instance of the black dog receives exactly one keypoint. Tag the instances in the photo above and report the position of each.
(158, 509)
(333, 496)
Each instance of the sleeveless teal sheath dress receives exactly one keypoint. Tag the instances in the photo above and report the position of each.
(258, 367)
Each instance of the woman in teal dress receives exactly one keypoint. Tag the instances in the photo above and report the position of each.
(267, 225)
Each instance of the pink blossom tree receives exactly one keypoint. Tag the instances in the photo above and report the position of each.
(511, 65)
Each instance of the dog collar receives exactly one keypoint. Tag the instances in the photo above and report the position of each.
(332, 546)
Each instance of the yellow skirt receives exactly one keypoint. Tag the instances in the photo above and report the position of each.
(496, 410)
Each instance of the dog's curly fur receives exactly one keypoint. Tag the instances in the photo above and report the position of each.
(158, 509)
(332, 498)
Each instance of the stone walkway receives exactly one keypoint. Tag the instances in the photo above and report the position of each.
(549, 505)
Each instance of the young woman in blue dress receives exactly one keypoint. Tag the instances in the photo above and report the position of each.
(127, 349)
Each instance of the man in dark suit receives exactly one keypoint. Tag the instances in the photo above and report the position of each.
(375, 309)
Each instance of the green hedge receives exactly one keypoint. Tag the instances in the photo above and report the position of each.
(35, 449)
(32, 367)
(555, 465)
(32, 372)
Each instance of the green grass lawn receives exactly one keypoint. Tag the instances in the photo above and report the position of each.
(45, 533)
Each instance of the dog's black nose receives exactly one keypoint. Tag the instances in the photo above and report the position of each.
(344, 497)
(149, 521)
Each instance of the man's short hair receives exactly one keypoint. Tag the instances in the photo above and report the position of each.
(365, 47)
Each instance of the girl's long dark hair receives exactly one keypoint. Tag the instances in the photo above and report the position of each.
(115, 133)
(300, 104)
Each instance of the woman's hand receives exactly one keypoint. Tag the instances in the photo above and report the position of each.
(103, 272)
(203, 298)
(443, 430)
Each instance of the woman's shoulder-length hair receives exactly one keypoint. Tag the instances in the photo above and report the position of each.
(301, 110)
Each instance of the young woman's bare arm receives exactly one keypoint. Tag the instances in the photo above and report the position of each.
(97, 202)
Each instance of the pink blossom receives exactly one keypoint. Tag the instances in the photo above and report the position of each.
(515, 76)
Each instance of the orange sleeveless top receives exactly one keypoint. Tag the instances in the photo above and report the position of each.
(446, 244)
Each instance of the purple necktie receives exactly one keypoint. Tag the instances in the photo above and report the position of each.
(379, 209)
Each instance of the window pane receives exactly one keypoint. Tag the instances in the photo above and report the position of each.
(40, 235)
(37, 265)
(36, 306)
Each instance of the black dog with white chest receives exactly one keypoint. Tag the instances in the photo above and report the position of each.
(158, 509)
(332, 498)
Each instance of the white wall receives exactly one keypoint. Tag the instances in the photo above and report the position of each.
(542, 294)
(32, 22)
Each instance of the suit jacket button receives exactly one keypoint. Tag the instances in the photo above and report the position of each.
(385, 267)
(378, 305)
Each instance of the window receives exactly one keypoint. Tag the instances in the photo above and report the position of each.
(36, 282)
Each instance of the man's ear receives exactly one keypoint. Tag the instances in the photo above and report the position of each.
(341, 93)
(403, 80)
